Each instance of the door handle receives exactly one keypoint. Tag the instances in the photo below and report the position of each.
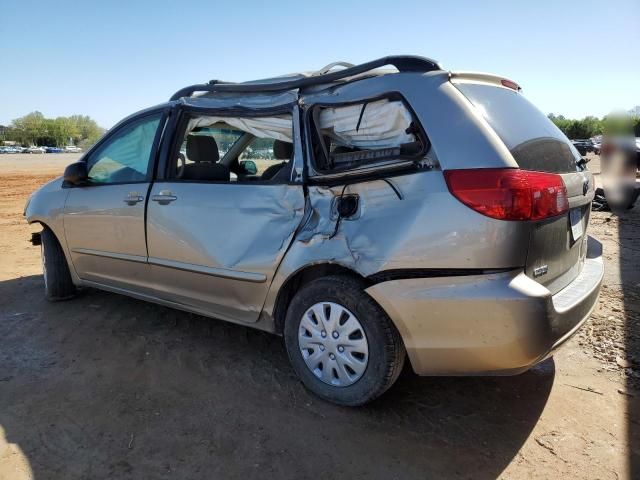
(133, 198)
(164, 198)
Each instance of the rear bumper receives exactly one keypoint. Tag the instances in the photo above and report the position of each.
(498, 324)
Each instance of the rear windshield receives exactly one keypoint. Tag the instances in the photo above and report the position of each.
(533, 140)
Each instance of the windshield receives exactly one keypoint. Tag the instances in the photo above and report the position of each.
(533, 140)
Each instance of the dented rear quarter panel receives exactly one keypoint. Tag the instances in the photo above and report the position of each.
(427, 229)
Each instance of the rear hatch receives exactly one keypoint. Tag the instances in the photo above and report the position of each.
(557, 245)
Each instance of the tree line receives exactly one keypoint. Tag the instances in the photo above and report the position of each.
(592, 126)
(83, 131)
(35, 129)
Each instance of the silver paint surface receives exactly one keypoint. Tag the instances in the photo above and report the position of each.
(226, 250)
(106, 235)
(218, 245)
(488, 324)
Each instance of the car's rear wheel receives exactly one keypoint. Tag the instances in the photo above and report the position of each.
(341, 343)
(57, 278)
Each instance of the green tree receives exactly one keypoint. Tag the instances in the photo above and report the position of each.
(561, 122)
(35, 129)
(30, 127)
(64, 129)
(86, 129)
(586, 128)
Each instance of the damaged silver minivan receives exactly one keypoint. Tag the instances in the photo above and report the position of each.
(364, 212)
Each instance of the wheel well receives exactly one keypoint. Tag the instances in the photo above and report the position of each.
(300, 278)
(36, 237)
(47, 227)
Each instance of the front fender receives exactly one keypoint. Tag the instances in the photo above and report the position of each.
(46, 206)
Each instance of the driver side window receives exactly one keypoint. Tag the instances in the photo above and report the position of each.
(126, 156)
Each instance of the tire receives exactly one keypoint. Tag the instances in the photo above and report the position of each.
(57, 278)
(385, 351)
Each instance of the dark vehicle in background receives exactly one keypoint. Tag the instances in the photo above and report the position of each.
(54, 150)
(583, 145)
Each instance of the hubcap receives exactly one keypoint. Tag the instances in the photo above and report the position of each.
(340, 357)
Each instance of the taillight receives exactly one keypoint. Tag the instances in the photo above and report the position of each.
(509, 193)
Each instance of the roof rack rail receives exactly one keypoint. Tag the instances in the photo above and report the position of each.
(404, 63)
(327, 68)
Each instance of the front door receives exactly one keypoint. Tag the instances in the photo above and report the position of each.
(104, 220)
(219, 225)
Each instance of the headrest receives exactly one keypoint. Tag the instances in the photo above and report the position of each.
(282, 150)
(202, 148)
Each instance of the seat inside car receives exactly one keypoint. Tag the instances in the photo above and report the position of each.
(282, 151)
(202, 150)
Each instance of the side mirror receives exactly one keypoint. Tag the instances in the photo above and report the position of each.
(76, 173)
(248, 167)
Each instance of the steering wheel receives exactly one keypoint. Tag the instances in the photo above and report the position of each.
(183, 163)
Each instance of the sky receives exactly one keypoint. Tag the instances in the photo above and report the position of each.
(111, 58)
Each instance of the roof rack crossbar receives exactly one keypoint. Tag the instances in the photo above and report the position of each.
(404, 63)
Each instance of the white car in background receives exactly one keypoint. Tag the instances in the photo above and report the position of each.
(72, 149)
(35, 150)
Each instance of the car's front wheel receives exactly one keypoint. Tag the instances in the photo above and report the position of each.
(341, 343)
(57, 278)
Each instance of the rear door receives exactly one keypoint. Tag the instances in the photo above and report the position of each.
(557, 246)
(104, 221)
(215, 242)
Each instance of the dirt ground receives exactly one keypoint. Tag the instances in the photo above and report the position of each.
(107, 386)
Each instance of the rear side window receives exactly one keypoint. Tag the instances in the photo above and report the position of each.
(533, 140)
(365, 133)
